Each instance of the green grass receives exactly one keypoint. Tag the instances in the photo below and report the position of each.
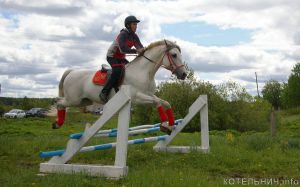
(232, 155)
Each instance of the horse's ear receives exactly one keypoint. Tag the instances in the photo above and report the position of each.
(166, 42)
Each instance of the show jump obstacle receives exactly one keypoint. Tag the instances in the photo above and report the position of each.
(121, 104)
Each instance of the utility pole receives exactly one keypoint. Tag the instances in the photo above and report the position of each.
(273, 122)
(256, 84)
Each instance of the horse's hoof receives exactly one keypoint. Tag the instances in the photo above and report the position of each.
(55, 126)
(165, 130)
(164, 127)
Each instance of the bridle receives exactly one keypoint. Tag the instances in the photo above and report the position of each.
(172, 66)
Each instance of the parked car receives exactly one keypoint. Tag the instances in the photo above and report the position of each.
(15, 113)
(42, 113)
(36, 112)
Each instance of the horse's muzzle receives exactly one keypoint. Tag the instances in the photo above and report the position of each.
(181, 76)
(180, 73)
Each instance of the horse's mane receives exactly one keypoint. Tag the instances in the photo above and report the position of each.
(154, 44)
(160, 42)
(157, 43)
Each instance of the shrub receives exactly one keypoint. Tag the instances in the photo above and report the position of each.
(229, 105)
(258, 142)
(291, 143)
(292, 111)
(294, 143)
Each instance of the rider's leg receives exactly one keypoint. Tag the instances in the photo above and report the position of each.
(110, 84)
(121, 77)
(116, 73)
(112, 81)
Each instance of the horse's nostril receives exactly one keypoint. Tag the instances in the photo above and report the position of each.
(184, 75)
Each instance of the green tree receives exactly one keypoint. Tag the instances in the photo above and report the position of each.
(241, 111)
(229, 105)
(272, 93)
(291, 92)
(232, 91)
(26, 103)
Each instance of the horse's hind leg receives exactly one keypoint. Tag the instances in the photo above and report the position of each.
(61, 105)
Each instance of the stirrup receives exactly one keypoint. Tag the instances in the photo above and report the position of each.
(103, 97)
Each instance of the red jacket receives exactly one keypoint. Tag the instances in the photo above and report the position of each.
(123, 43)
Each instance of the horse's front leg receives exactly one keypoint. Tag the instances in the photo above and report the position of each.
(163, 107)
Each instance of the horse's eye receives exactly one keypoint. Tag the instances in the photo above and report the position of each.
(174, 55)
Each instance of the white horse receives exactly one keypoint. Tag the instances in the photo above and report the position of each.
(77, 89)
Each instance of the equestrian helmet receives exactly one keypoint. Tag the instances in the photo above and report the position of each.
(130, 19)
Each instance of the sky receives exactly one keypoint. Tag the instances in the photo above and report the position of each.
(221, 40)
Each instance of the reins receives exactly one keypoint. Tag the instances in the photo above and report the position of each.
(172, 67)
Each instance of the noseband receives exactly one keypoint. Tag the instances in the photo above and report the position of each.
(172, 66)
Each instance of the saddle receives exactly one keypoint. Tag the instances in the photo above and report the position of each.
(101, 76)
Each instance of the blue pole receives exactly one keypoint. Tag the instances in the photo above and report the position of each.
(113, 132)
(104, 146)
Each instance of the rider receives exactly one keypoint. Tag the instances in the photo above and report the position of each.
(116, 54)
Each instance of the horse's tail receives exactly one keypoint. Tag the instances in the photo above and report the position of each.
(61, 83)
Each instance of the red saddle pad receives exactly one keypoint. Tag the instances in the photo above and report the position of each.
(100, 78)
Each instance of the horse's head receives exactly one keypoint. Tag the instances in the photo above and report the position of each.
(168, 55)
(172, 60)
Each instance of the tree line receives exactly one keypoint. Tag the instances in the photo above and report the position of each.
(8, 103)
(285, 95)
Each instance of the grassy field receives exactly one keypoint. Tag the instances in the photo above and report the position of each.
(252, 157)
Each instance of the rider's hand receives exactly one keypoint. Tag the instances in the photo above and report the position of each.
(140, 51)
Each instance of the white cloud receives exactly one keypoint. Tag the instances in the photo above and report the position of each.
(40, 39)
